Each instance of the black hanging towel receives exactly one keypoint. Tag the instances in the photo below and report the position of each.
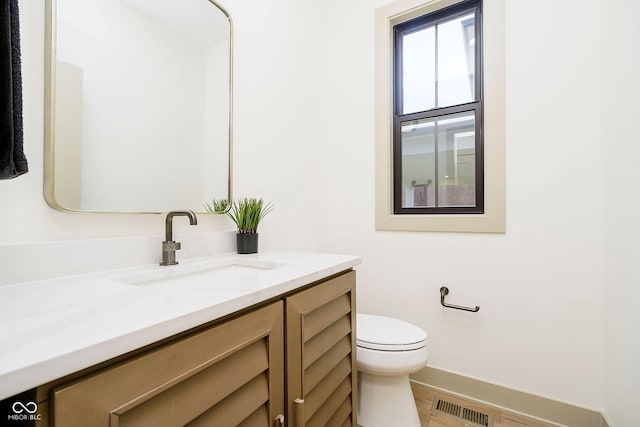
(12, 160)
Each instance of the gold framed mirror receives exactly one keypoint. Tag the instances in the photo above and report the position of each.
(138, 105)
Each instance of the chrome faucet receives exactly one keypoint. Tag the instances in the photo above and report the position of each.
(169, 247)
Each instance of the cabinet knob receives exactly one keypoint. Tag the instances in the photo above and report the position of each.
(298, 409)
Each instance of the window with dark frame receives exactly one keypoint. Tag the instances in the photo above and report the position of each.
(437, 135)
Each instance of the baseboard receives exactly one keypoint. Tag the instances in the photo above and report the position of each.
(504, 398)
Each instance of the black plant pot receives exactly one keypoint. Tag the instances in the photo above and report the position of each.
(247, 243)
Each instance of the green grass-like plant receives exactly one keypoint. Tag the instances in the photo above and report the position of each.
(217, 206)
(247, 214)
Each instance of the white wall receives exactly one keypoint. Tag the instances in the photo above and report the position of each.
(280, 98)
(621, 206)
(540, 286)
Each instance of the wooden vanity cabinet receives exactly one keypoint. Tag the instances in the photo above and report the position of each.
(234, 372)
(321, 369)
(228, 375)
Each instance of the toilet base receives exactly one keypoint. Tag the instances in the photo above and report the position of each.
(386, 401)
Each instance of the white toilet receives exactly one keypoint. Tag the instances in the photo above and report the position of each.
(387, 351)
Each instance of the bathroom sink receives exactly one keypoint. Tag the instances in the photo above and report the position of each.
(229, 272)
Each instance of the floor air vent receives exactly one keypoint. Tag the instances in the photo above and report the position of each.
(462, 413)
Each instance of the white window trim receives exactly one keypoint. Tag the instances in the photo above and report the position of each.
(494, 218)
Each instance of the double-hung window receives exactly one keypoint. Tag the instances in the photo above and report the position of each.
(438, 119)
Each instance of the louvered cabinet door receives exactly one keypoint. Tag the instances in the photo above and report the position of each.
(231, 374)
(320, 360)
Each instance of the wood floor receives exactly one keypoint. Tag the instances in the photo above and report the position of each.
(425, 396)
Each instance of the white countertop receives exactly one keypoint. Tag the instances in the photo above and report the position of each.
(52, 328)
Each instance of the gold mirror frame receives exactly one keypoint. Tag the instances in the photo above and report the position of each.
(49, 114)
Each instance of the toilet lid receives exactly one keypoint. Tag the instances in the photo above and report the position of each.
(386, 333)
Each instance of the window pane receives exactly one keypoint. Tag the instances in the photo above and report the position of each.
(456, 61)
(419, 71)
(418, 163)
(457, 160)
(437, 138)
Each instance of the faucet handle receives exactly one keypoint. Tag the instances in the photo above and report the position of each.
(169, 249)
(171, 246)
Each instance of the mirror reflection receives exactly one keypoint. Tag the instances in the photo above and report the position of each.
(140, 96)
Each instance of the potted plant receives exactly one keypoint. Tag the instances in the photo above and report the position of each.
(247, 214)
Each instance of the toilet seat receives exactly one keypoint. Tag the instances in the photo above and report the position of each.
(387, 334)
